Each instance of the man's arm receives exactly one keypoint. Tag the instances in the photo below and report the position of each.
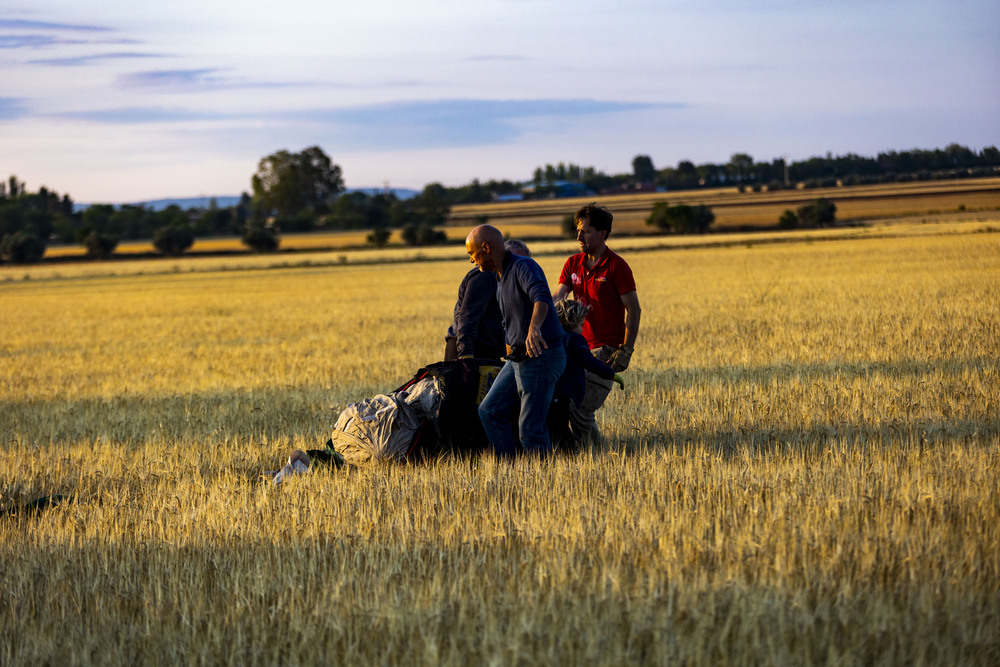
(561, 293)
(534, 342)
(478, 292)
(633, 312)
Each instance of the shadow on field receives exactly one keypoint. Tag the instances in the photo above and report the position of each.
(903, 403)
(754, 397)
(213, 417)
(740, 440)
(764, 376)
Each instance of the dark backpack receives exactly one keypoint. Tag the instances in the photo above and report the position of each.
(464, 385)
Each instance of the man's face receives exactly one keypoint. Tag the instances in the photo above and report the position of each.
(478, 254)
(591, 240)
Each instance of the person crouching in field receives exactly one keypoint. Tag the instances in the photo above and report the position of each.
(572, 386)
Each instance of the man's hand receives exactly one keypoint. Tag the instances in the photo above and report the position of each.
(620, 358)
(535, 343)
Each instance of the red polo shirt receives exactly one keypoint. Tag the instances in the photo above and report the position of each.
(600, 288)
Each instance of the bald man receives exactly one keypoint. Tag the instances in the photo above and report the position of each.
(533, 337)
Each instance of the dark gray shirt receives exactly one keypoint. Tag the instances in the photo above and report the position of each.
(477, 324)
(522, 284)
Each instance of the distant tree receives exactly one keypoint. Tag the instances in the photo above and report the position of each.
(15, 187)
(215, 220)
(173, 240)
(685, 176)
(242, 211)
(422, 234)
(12, 218)
(741, 165)
(703, 218)
(100, 246)
(349, 211)
(357, 210)
(681, 219)
(431, 207)
(303, 221)
(173, 216)
(260, 238)
(788, 220)
(643, 169)
(819, 213)
(96, 218)
(379, 236)
(22, 248)
(129, 222)
(288, 183)
(28, 220)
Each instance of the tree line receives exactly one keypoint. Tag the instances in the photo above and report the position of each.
(742, 171)
(304, 191)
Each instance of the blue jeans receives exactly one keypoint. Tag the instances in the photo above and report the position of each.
(524, 386)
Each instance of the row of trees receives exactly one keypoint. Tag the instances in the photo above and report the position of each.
(301, 192)
(28, 220)
(294, 192)
(743, 171)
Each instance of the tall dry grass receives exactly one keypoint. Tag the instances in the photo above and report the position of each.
(803, 469)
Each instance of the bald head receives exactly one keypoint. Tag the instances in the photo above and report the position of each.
(485, 234)
(485, 247)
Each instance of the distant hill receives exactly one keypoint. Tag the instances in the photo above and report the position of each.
(227, 201)
(190, 202)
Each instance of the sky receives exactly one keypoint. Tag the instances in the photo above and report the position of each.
(121, 102)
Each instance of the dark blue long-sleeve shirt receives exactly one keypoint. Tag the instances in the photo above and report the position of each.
(477, 324)
(522, 284)
(579, 358)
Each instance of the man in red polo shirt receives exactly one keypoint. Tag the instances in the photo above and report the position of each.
(601, 280)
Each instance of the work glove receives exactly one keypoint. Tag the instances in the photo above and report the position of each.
(619, 358)
(619, 380)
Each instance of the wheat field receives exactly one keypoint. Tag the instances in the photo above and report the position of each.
(803, 468)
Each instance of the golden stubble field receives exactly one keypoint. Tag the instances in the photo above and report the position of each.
(802, 469)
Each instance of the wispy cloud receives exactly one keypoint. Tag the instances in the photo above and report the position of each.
(34, 41)
(390, 126)
(95, 58)
(193, 80)
(22, 34)
(452, 123)
(396, 126)
(11, 108)
(496, 58)
(141, 115)
(21, 24)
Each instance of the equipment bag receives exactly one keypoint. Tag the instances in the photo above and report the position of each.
(465, 383)
(386, 427)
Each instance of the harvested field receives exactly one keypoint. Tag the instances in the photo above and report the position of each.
(802, 468)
